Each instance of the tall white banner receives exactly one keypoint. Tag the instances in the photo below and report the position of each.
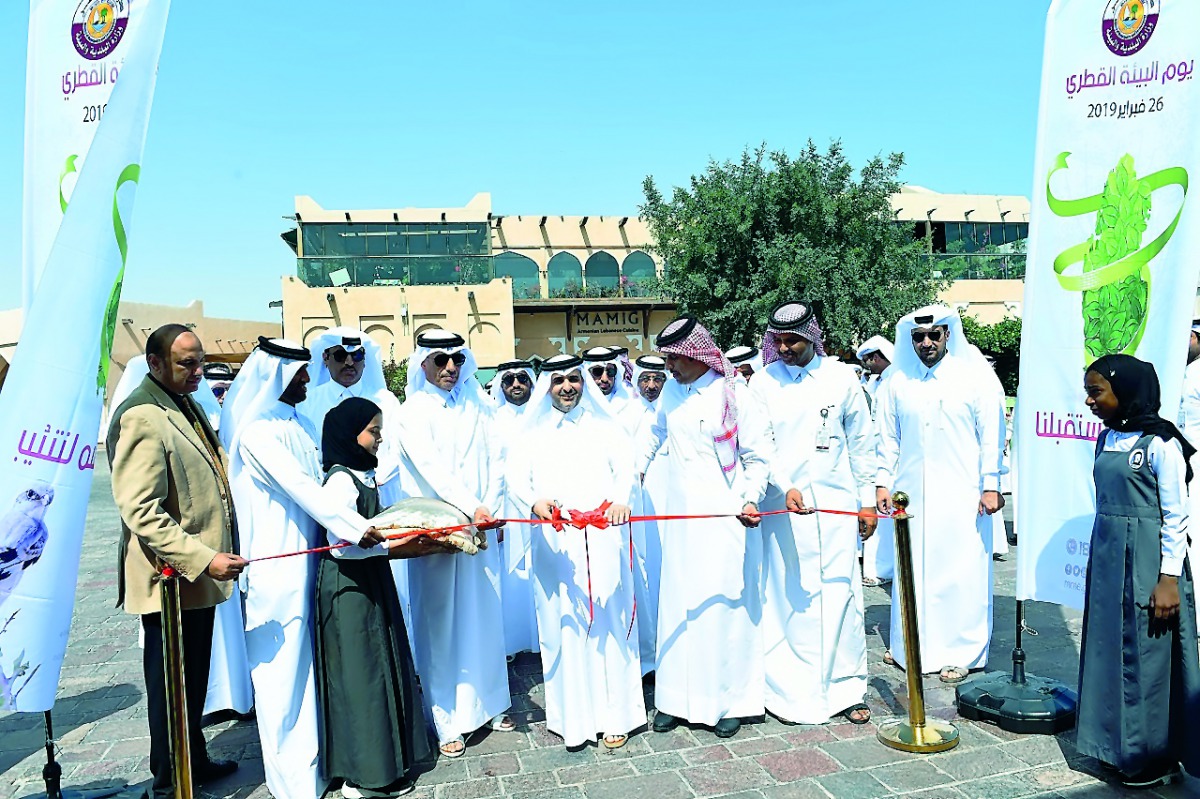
(1114, 253)
(77, 49)
(51, 403)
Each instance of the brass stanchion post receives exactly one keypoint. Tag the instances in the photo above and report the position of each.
(916, 734)
(172, 635)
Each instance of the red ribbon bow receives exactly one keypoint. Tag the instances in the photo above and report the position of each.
(580, 519)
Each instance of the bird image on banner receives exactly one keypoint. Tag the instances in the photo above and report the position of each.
(23, 535)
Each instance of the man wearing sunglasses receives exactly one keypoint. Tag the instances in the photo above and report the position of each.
(604, 366)
(511, 388)
(940, 422)
(649, 496)
(449, 453)
(352, 366)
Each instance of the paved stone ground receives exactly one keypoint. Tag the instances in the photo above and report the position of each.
(101, 728)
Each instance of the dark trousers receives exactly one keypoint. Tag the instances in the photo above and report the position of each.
(197, 650)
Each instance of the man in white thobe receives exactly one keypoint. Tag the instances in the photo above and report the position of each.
(878, 551)
(605, 366)
(458, 623)
(649, 497)
(275, 475)
(710, 668)
(579, 460)
(511, 389)
(941, 440)
(816, 412)
(746, 360)
(352, 366)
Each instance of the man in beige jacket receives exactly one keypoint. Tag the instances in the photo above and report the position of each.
(168, 479)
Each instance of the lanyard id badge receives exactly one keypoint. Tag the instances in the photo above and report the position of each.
(823, 435)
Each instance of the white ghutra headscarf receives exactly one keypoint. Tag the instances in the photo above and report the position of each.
(256, 389)
(467, 390)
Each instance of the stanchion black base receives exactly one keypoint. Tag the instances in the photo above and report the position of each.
(1038, 706)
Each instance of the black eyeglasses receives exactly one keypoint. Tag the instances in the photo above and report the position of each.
(597, 371)
(934, 335)
(340, 355)
(441, 358)
(515, 377)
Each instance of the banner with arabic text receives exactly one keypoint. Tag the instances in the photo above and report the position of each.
(51, 403)
(77, 50)
(1113, 266)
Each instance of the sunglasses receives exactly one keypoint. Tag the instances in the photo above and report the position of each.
(920, 335)
(219, 391)
(442, 358)
(597, 371)
(340, 355)
(519, 377)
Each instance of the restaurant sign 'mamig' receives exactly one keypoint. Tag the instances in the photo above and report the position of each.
(595, 322)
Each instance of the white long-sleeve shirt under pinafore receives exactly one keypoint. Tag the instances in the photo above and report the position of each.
(941, 440)
(516, 578)
(709, 650)
(649, 498)
(824, 445)
(878, 551)
(592, 676)
(458, 623)
(1189, 425)
(280, 508)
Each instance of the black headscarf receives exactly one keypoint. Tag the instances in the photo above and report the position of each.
(339, 435)
(1135, 385)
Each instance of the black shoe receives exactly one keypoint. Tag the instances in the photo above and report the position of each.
(214, 770)
(727, 728)
(1152, 777)
(664, 722)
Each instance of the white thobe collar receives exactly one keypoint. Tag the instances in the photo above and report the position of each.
(700, 382)
(281, 410)
(801, 372)
(570, 417)
(930, 372)
(448, 398)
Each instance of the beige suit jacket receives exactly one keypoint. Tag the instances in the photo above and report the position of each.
(174, 507)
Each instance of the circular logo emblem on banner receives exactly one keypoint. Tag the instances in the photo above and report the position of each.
(1128, 24)
(98, 26)
(1136, 459)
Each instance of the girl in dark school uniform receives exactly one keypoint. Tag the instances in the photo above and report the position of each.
(1139, 678)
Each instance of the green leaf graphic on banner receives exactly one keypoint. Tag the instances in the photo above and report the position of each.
(68, 169)
(1115, 268)
(129, 174)
(1114, 313)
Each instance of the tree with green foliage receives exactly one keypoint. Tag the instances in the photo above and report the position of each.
(395, 375)
(1002, 341)
(747, 235)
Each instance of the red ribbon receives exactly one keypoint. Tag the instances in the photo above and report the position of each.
(574, 518)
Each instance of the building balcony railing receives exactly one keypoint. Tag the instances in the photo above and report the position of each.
(978, 265)
(459, 270)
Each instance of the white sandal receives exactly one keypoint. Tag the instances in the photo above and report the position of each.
(453, 753)
(502, 723)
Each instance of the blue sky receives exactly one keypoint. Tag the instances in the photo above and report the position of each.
(552, 107)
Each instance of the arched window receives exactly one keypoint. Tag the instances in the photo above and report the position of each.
(524, 274)
(601, 275)
(637, 274)
(564, 275)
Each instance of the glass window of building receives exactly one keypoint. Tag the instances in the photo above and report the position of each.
(601, 275)
(564, 275)
(524, 274)
(637, 274)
